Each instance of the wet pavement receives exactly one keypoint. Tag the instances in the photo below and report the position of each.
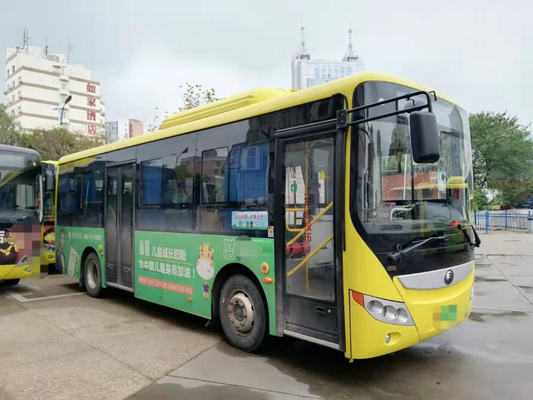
(56, 342)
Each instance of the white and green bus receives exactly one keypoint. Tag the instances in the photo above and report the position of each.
(339, 215)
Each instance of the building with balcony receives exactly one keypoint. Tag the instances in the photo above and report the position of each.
(39, 82)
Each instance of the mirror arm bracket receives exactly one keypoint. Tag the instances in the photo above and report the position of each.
(344, 120)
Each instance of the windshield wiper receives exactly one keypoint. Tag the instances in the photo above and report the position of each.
(400, 254)
(477, 240)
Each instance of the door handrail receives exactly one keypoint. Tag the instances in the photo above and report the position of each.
(322, 245)
(325, 210)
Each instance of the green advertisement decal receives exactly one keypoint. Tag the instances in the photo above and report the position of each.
(178, 270)
(72, 242)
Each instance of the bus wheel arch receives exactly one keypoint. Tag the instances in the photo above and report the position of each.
(223, 275)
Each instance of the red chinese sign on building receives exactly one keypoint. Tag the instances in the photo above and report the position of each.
(91, 129)
(91, 101)
(91, 116)
(91, 88)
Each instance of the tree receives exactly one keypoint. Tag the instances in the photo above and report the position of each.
(9, 129)
(195, 96)
(502, 151)
(52, 144)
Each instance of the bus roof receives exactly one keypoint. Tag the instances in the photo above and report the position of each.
(17, 149)
(246, 105)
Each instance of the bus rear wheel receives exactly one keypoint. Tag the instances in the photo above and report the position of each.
(9, 282)
(242, 313)
(93, 275)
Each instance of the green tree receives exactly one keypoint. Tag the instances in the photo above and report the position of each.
(9, 129)
(502, 151)
(52, 144)
(195, 96)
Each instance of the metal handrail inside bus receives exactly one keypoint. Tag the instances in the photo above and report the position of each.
(310, 255)
(325, 210)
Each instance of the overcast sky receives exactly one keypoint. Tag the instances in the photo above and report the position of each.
(478, 52)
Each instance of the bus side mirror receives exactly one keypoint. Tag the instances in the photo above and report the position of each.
(49, 181)
(424, 137)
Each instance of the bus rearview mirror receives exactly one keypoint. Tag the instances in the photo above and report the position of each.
(424, 137)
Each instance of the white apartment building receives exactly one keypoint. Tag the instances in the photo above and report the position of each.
(37, 85)
(307, 73)
(122, 129)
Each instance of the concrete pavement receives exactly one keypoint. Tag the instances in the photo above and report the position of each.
(488, 357)
(56, 342)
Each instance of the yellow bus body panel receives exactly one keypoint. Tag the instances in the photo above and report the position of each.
(367, 337)
(10, 271)
(437, 310)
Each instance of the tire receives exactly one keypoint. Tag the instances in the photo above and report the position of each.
(239, 298)
(9, 282)
(92, 275)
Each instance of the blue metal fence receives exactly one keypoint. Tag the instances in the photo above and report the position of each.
(511, 220)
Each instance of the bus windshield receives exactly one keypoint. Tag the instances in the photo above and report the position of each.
(393, 192)
(19, 193)
(11, 161)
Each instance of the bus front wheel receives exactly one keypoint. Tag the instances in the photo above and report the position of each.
(93, 275)
(242, 313)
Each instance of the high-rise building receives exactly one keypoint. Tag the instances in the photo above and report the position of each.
(38, 83)
(307, 72)
(122, 129)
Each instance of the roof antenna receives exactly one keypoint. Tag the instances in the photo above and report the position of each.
(46, 46)
(350, 54)
(303, 53)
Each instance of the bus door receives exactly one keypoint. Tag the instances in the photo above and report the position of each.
(119, 225)
(306, 242)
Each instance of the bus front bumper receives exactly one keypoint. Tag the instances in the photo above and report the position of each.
(432, 312)
(8, 272)
(435, 311)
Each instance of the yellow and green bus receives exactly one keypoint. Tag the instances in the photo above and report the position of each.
(21, 214)
(340, 215)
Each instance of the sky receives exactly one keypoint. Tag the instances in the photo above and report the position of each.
(479, 53)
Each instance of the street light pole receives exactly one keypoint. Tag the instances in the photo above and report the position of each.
(63, 109)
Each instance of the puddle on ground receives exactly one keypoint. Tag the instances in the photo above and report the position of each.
(480, 317)
(482, 279)
(173, 391)
(330, 375)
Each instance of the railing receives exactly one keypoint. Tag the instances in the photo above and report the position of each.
(511, 220)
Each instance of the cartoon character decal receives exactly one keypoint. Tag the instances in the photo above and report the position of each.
(229, 249)
(206, 268)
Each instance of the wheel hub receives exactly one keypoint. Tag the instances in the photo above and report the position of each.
(241, 312)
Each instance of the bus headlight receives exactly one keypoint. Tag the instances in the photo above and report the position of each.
(390, 312)
(472, 293)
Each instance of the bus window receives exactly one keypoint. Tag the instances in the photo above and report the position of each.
(213, 179)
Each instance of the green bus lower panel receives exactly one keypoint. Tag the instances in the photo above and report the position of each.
(71, 243)
(179, 269)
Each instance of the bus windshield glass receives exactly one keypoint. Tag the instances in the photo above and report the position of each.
(11, 161)
(395, 194)
(19, 193)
